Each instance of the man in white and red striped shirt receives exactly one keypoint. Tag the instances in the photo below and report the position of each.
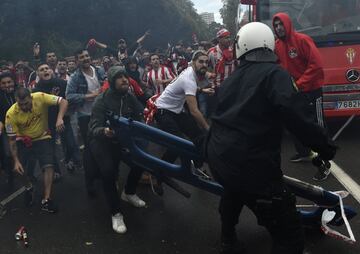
(221, 57)
(159, 76)
(222, 64)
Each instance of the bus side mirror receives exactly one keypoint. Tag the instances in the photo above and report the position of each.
(248, 2)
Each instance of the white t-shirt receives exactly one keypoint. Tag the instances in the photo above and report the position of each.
(173, 97)
(93, 86)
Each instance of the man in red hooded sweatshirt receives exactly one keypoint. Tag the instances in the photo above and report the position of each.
(298, 55)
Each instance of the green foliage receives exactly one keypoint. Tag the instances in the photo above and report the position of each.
(228, 13)
(66, 25)
(214, 28)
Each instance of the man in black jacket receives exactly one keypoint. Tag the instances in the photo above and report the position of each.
(7, 99)
(106, 150)
(243, 149)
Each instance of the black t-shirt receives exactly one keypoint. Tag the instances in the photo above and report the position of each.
(6, 101)
(116, 53)
(54, 86)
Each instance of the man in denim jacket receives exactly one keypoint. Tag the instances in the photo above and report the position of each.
(82, 89)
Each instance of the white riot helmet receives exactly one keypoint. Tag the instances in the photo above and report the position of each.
(252, 36)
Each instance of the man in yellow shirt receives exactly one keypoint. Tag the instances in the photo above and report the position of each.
(27, 122)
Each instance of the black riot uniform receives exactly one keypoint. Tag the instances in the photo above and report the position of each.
(243, 148)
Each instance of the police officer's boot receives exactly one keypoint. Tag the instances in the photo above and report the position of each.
(231, 245)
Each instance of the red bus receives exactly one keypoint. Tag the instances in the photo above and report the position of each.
(334, 25)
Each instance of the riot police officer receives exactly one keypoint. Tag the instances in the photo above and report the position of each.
(243, 147)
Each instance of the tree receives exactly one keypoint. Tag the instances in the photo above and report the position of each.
(214, 28)
(66, 25)
(228, 13)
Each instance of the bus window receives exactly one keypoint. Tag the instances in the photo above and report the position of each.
(242, 15)
(314, 17)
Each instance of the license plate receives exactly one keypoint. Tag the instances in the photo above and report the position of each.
(348, 104)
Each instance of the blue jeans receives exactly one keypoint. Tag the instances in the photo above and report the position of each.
(202, 101)
(70, 146)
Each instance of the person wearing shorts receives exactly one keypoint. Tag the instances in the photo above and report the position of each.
(26, 125)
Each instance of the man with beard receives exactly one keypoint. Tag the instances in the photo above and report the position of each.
(172, 116)
(144, 65)
(298, 54)
(183, 89)
(132, 68)
(56, 86)
(106, 151)
(82, 89)
(27, 122)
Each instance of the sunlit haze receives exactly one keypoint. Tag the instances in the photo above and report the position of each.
(209, 6)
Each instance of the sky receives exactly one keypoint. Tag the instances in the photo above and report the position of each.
(209, 6)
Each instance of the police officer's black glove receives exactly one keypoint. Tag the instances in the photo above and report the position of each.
(328, 152)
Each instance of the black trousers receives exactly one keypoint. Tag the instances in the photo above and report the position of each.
(5, 157)
(275, 210)
(83, 122)
(180, 125)
(107, 157)
(315, 114)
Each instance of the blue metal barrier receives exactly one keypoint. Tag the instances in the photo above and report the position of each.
(130, 132)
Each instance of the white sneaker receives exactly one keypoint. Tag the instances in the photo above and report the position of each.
(133, 199)
(118, 223)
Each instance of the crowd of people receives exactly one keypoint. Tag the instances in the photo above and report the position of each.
(237, 95)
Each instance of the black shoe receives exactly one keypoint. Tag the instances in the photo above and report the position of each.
(49, 206)
(231, 245)
(299, 158)
(321, 175)
(70, 166)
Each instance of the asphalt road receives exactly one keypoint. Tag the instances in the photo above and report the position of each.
(170, 224)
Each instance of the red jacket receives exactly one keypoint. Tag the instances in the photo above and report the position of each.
(299, 56)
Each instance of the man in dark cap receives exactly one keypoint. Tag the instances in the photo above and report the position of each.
(105, 149)
(122, 52)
